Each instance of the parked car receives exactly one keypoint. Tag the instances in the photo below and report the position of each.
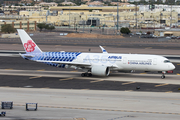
(178, 37)
(154, 36)
(131, 33)
(147, 36)
(173, 37)
(168, 37)
(143, 36)
(138, 33)
(144, 33)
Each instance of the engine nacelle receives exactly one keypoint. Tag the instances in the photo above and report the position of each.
(100, 70)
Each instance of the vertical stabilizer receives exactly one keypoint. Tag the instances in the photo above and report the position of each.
(28, 44)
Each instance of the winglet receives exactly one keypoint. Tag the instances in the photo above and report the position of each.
(103, 50)
(28, 44)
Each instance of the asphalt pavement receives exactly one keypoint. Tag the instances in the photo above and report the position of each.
(18, 72)
(63, 94)
(53, 38)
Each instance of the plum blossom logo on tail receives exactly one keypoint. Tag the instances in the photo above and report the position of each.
(30, 46)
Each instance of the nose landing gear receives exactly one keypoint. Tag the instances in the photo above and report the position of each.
(163, 74)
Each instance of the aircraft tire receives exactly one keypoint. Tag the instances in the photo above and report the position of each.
(90, 74)
(82, 75)
(162, 76)
(86, 74)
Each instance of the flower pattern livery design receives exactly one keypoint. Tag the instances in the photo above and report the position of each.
(29, 46)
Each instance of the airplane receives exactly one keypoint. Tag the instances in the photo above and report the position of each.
(96, 64)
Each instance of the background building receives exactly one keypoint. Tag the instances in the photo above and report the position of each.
(26, 25)
(130, 15)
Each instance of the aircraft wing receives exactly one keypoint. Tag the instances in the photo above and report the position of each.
(77, 63)
(68, 63)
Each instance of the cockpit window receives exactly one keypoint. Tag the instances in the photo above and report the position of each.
(167, 61)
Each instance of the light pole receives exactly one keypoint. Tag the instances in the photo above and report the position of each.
(136, 18)
(117, 17)
(160, 19)
(83, 25)
(114, 25)
(171, 18)
(69, 17)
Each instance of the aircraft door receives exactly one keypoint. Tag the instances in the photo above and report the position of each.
(124, 60)
(78, 59)
(155, 61)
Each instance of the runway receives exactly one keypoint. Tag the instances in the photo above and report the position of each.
(63, 94)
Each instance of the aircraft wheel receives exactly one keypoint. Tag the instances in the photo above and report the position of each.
(163, 76)
(82, 75)
(90, 74)
(86, 74)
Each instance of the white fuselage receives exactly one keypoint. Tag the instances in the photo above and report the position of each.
(127, 61)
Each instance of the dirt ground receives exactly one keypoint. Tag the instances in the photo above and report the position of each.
(86, 35)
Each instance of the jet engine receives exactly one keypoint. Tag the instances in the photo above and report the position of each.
(100, 70)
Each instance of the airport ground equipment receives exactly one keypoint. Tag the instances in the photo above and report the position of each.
(3, 113)
(6, 104)
(31, 106)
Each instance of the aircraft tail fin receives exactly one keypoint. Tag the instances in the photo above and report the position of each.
(28, 44)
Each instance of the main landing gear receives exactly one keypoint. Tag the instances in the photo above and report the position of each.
(86, 75)
(163, 74)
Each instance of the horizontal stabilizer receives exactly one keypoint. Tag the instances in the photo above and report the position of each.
(26, 55)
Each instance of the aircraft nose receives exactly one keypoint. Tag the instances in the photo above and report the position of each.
(172, 67)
